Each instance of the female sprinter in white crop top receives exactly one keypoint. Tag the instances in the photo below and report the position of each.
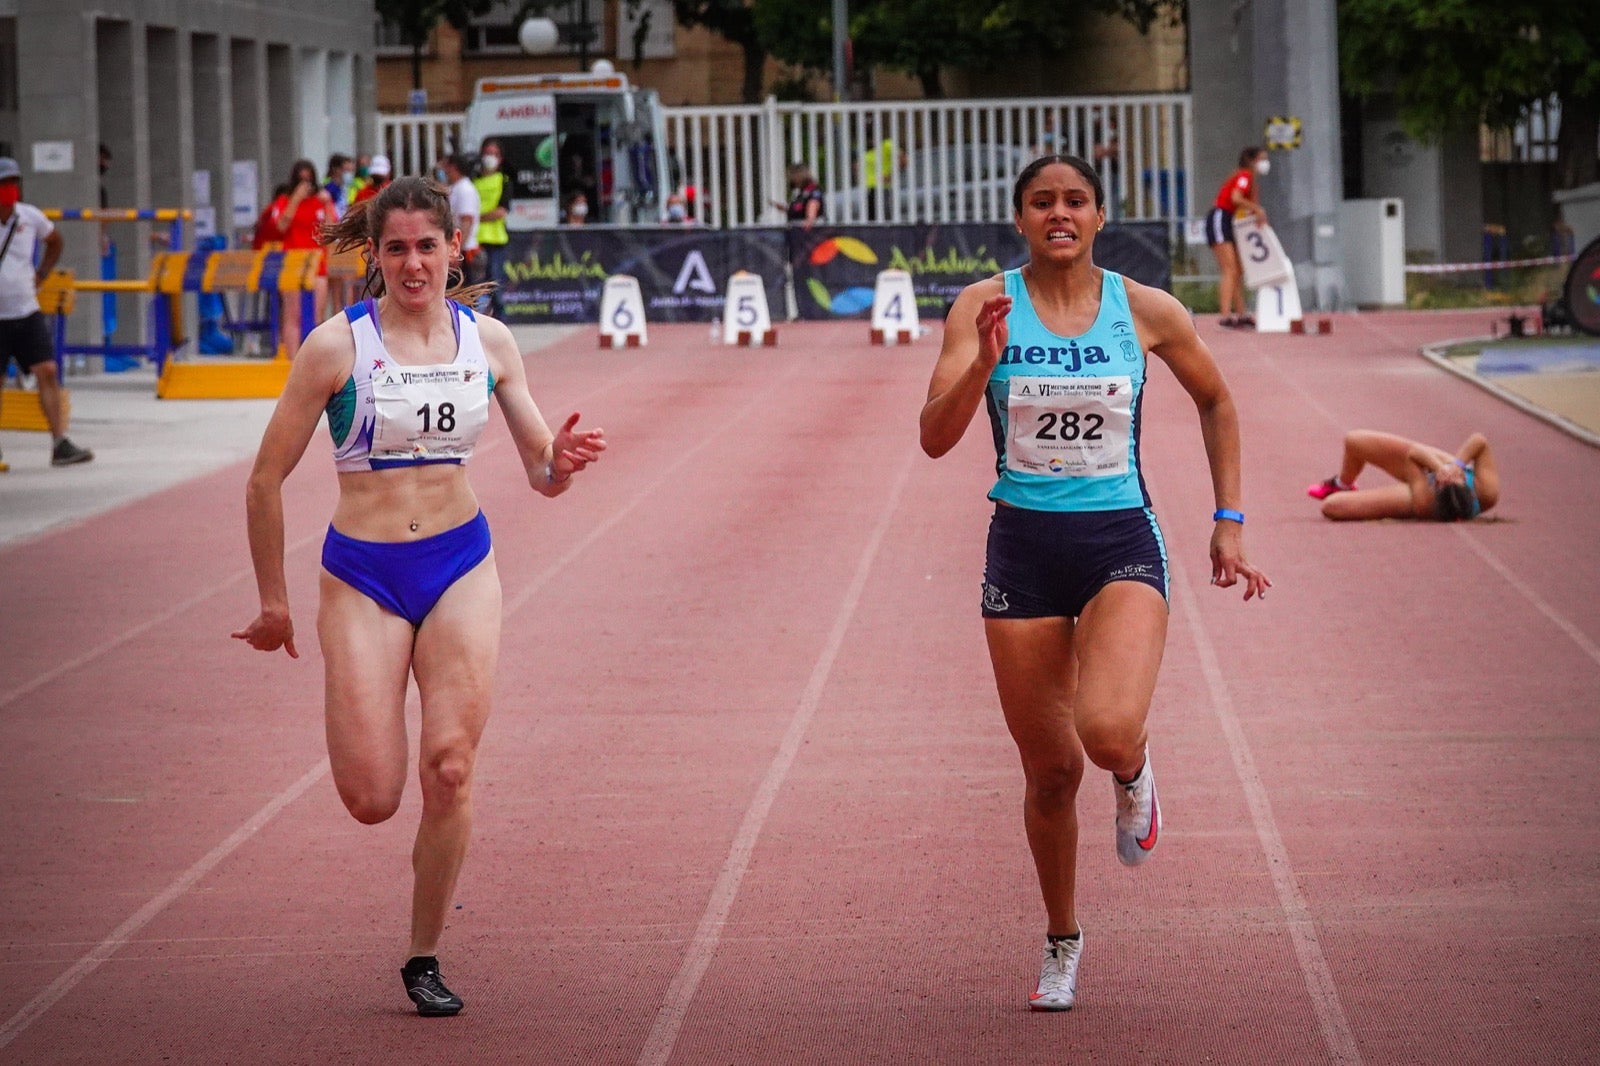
(409, 584)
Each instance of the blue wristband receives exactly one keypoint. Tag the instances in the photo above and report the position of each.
(1224, 513)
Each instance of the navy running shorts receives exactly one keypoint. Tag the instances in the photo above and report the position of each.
(1050, 564)
(27, 340)
(1219, 226)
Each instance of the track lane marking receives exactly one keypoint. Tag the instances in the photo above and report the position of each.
(663, 1038)
(107, 646)
(1331, 1020)
(102, 951)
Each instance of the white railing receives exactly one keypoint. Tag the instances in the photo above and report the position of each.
(942, 161)
(414, 143)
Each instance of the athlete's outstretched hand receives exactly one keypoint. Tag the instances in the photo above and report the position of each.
(269, 632)
(992, 330)
(573, 450)
(1228, 563)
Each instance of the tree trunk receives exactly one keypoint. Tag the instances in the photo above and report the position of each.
(1578, 141)
(416, 64)
(755, 63)
(932, 86)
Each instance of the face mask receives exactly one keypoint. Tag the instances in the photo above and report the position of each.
(10, 193)
(676, 213)
(579, 210)
(438, 174)
(491, 163)
(1263, 166)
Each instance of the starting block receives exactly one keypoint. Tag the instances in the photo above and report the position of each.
(894, 309)
(20, 409)
(745, 318)
(1301, 326)
(622, 321)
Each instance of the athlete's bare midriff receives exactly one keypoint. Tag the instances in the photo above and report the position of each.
(404, 504)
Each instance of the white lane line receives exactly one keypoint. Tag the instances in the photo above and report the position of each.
(663, 1038)
(1561, 622)
(107, 646)
(1578, 636)
(120, 936)
(146, 914)
(1335, 1027)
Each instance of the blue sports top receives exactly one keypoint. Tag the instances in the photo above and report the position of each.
(1065, 410)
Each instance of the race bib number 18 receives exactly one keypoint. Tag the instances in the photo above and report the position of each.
(431, 412)
(1069, 427)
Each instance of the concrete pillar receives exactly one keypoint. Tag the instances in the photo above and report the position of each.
(250, 141)
(57, 104)
(212, 86)
(312, 77)
(366, 104)
(341, 104)
(283, 117)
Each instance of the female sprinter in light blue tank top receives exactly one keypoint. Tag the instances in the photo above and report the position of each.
(409, 585)
(1074, 593)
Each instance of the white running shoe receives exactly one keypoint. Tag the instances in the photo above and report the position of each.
(1138, 816)
(1058, 976)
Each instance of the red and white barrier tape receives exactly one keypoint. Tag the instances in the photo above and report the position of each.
(1458, 268)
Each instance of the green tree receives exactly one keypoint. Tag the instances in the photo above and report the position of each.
(1451, 63)
(415, 19)
(924, 37)
(732, 20)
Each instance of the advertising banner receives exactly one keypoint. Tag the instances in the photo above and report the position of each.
(835, 268)
(557, 275)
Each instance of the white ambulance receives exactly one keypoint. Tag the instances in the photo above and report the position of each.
(565, 134)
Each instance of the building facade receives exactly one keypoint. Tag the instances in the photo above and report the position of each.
(201, 104)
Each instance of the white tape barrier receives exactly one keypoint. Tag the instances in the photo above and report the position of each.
(1497, 264)
(622, 322)
(1260, 253)
(745, 319)
(894, 309)
(1278, 305)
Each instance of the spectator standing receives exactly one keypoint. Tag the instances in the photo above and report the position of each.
(878, 165)
(340, 186)
(299, 216)
(379, 174)
(576, 211)
(1236, 198)
(806, 206)
(24, 335)
(492, 237)
(464, 205)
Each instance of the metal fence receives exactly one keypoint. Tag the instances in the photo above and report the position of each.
(921, 161)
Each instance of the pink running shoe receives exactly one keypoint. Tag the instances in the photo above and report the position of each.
(1327, 487)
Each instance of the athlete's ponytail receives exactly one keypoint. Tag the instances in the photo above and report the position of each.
(362, 226)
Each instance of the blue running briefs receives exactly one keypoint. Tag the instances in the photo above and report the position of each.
(408, 577)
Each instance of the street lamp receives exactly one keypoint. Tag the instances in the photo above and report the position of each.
(538, 36)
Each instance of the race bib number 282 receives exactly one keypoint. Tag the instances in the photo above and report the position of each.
(1069, 427)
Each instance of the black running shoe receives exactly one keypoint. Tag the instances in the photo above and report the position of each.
(67, 453)
(426, 988)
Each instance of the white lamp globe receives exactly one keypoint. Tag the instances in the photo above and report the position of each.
(538, 36)
(602, 67)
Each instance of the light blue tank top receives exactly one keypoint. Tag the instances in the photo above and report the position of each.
(1065, 410)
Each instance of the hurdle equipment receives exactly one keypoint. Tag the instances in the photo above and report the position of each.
(894, 309)
(288, 274)
(745, 319)
(622, 321)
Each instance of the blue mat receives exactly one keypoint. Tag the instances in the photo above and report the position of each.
(1541, 359)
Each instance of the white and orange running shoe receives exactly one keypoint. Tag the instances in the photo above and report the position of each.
(1058, 976)
(1138, 815)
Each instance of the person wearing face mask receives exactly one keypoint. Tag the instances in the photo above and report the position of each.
(340, 186)
(492, 236)
(24, 334)
(1237, 196)
(379, 173)
(678, 210)
(577, 212)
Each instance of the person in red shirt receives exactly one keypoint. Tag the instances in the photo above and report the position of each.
(299, 216)
(1237, 194)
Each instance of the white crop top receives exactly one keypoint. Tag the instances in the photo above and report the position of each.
(389, 414)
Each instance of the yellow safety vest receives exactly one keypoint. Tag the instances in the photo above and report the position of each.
(877, 163)
(490, 187)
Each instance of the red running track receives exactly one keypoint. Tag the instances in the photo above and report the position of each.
(747, 797)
